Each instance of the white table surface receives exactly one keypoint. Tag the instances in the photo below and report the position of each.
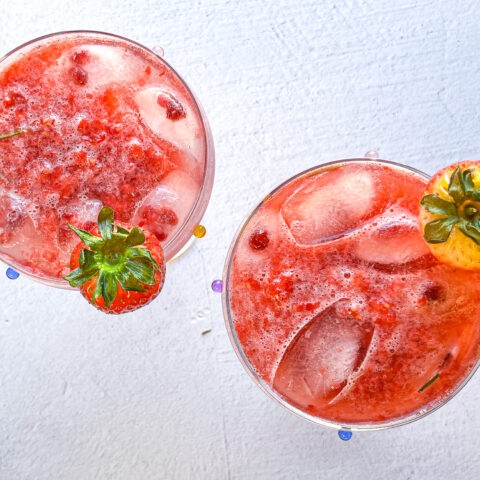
(286, 85)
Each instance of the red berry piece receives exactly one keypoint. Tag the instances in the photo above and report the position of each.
(159, 220)
(47, 122)
(167, 216)
(79, 75)
(81, 57)
(64, 235)
(92, 131)
(16, 218)
(259, 239)
(6, 236)
(162, 236)
(14, 99)
(115, 129)
(433, 292)
(163, 215)
(174, 109)
(446, 360)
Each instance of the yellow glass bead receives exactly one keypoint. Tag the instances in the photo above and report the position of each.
(200, 231)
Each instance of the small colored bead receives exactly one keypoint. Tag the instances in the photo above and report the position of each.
(372, 154)
(345, 434)
(158, 50)
(200, 231)
(12, 274)
(217, 286)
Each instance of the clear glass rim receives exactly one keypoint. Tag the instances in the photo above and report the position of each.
(397, 422)
(183, 234)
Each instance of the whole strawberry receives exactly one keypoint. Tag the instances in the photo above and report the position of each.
(117, 268)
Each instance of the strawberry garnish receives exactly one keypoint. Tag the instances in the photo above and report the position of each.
(450, 215)
(117, 269)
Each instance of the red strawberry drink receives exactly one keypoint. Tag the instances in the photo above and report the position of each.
(336, 305)
(90, 119)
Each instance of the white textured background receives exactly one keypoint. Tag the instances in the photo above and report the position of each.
(286, 85)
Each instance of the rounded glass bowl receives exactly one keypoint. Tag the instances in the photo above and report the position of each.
(364, 426)
(184, 232)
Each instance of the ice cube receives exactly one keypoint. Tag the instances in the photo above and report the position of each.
(182, 132)
(322, 357)
(20, 240)
(81, 214)
(94, 66)
(166, 208)
(394, 240)
(190, 164)
(14, 220)
(332, 204)
(250, 259)
(107, 64)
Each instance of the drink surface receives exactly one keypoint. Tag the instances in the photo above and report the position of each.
(338, 304)
(106, 123)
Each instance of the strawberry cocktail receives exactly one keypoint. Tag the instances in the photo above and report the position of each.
(336, 305)
(90, 119)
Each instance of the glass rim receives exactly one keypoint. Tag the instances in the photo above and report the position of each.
(267, 389)
(185, 231)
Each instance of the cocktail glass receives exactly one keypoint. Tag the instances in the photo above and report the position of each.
(225, 286)
(185, 232)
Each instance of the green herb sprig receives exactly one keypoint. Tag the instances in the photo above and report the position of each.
(4, 136)
(429, 382)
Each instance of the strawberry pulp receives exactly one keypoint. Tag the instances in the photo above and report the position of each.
(344, 312)
(103, 122)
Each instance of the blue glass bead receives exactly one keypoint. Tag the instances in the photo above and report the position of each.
(345, 434)
(12, 274)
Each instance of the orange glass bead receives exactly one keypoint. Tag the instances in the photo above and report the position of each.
(200, 231)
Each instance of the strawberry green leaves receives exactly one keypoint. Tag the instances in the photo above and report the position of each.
(439, 230)
(88, 268)
(122, 230)
(463, 212)
(105, 222)
(114, 259)
(106, 287)
(129, 282)
(468, 184)
(135, 237)
(437, 205)
(142, 269)
(109, 288)
(95, 243)
(470, 230)
(456, 187)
